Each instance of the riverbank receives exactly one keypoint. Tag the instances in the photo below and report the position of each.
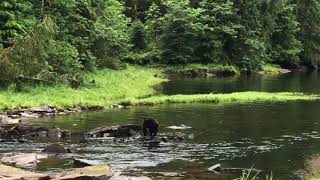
(219, 70)
(238, 97)
(111, 87)
(129, 87)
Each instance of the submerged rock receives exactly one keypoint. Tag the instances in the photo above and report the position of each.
(99, 172)
(113, 131)
(7, 172)
(56, 148)
(23, 160)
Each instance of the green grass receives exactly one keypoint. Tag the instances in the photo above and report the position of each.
(239, 97)
(273, 69)
(112, 86)
(128, 87)
(218, 68)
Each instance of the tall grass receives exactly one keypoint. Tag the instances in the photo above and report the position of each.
(127, 87)
(238, 97)
(111, 87)
(312, 169)
(252, 175)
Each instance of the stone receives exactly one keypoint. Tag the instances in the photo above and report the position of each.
(79, 163)
(56, 148)
(23, 160)
(15, 173)
(6, 120)
(29, 115)
(99, 172)
(55, 133)
(130, 178)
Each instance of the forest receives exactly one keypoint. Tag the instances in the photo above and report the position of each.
(232, 86)
(56, 41)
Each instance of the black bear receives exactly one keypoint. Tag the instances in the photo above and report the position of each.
(150, 127)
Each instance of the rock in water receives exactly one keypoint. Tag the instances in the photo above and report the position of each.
(55, 133)
(14, 173)
(130, 178)
(100, 172)
(56, 148)
(23, 160)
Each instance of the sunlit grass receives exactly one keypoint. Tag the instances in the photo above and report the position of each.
(127, 87)
(273, 69)
(111, 87)
(238, 97)
(312, 169)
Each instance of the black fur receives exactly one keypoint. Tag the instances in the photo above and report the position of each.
(150, 127)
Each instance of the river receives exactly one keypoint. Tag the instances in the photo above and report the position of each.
(274, 137)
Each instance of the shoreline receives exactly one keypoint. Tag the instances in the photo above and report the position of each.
(120, 89)
(13, 115)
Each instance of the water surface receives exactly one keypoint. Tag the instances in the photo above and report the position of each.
(276, 137)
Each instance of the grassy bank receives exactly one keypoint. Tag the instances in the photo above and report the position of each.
(239, 97)
(220, 70)
(203, 70)
(128, 87)
(111, 87)
(273, 69)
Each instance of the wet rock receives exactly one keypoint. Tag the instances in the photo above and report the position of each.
(65, 133)
(23, 160)
(99, 172)
(79, 163)
(113, 131)
(130, 178)
(24, 129)
(56, 148)
(55, 133)
(28, 115)
(14, 173)
(7, 120)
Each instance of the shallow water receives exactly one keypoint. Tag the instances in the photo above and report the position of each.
(272, 137)
(307, 82)
(275, 137)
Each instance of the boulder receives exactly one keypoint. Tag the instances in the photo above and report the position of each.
(55, 133)
(56, 148)
(6, 120)
(23, 160)
(99, 172)
(7, 172)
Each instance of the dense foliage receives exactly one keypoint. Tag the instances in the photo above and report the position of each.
(56, 40)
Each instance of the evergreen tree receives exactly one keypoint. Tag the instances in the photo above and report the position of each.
(248, 48)
(286, 48)
(138, 37)
(219, 28)
(15, 20)
(309, 18)
(180, 33)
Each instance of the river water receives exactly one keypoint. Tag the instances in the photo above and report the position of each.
(274, 137)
